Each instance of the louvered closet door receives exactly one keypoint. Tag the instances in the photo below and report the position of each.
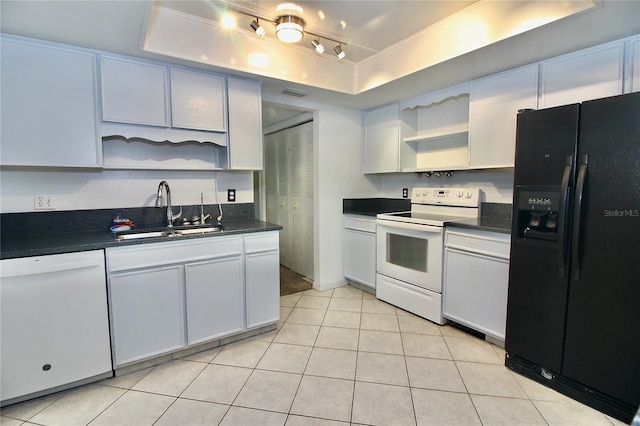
(277, 188)
(301, 171)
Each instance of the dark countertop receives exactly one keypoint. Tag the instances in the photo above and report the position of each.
(489, 224)
(373, 206)
(56, 243)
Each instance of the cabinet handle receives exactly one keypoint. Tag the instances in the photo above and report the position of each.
(282, 204)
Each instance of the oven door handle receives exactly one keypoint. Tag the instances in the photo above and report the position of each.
(391, 224)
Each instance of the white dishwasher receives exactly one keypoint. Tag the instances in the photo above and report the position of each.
(54, 323)
(476, 279)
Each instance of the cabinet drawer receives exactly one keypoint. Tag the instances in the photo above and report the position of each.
(360, 224)
(171, 252)
(263, 242)
(487, 243)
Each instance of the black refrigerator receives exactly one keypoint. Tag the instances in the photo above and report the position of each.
(573, 312)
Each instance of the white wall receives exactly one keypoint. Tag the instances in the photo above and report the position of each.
(84, 189)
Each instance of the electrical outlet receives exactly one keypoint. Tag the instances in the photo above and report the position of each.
(405, 192)
(231, 195)
(43, 202)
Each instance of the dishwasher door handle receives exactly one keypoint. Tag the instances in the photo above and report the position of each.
(474, 251)
(35, 269)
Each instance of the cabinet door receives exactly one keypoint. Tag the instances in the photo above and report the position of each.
(245, 125)
(49, 108)
(263, 288)
(147, 313)
(215, 299)
(475, 291)
(588, 74)
(494, 104)
(134, 92)
(635, 55)
(360, 256)
(55, 328)
(381, 140)
(198, 101)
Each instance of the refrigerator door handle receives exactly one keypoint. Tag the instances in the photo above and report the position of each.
(577, 213)
(562, 218)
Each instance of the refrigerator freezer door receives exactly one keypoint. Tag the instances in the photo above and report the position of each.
(602, 331)
(537, 294)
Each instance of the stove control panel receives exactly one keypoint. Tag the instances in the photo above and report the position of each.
(463, 197)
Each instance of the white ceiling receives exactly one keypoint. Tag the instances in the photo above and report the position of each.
(373, 31)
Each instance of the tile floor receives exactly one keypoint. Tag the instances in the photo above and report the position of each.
(337, 357)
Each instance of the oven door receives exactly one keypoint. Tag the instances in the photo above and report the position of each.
(410, 252)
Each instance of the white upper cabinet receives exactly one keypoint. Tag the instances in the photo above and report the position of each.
(435, 131)
(49, 109)
(580, 76)
(245, 125)
(635, 61)
(381, 138)
(198, 101)
(494, 104)
(134, 92)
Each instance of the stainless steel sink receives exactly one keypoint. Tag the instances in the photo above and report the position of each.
(165, 232)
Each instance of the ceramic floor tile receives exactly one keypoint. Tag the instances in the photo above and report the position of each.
(171, 378)
(312, 302)
(294, 420)
(375, 306)
(269, 390)
(204, 356)
(244, 353)
(495, 410)
(417, 325)
(290, 300)
(239, 416)
(313, 292)
(438, 374)
(380, 322)
(8, 421)
(324, 397)
(380, 341)
(218, 383)
(126, 381)
(285, 358)
(78, 406)
(285, 311)
(382, 368)
(335, 363)
(370, 296)
(425, 345)
(186, 412)
(537, 391)
(570, 413)
(488, 379)
(297, 334)
(26, 410)
(342, 319)
(377, 404)
(472, 350)
(338, 338)
(347, 292)
(306, 316)
(443, 408)
(349, 305)
(134, 408)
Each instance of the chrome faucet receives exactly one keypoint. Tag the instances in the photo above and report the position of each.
(170, 216)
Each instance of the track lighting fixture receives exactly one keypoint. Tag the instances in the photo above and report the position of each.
(318, 46)
(289, 26)
(257, 28)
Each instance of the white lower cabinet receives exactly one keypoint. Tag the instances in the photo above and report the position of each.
(171, 295)
(360, 249)
(476, 280)
(54, 323)
(147, 314)
(262, 279)
(214, 299)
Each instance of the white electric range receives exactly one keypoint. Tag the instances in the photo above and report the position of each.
(410, 245)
